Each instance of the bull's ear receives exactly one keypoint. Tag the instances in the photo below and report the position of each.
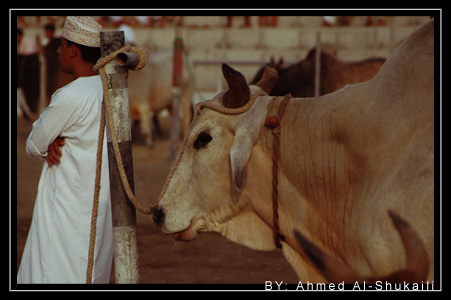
(240, 153)
(269, 79)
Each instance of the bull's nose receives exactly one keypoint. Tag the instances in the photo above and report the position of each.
(158, 216)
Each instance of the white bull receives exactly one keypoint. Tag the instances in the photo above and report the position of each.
(346, 159)
(150, 91)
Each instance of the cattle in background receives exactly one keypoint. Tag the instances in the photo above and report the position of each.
(299, 79)
(150, 92)
(345, 159)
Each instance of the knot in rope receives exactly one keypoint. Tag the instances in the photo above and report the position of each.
(142, 55)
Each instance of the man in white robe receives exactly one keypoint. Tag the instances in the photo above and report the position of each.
(66, 136)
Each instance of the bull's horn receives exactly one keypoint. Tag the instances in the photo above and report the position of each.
(238, 93)
(416, 255)
(269, 79)
(332, 269)
(336, 271)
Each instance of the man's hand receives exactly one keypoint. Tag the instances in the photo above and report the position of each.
(54, 152)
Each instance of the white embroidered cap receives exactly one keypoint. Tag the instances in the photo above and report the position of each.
(82, 30)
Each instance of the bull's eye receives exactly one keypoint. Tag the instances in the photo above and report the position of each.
(202, 140)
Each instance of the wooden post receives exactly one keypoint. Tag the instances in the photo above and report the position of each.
(42, 80)
(123, 211)
(391, 34)
(176, 92)
(318, 65)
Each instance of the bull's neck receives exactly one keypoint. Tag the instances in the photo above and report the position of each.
(316, 166)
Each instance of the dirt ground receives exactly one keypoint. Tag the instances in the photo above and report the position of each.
(210, 259)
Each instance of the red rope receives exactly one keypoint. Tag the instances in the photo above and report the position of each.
(273, 122)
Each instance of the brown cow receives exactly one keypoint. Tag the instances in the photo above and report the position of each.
(299, 79)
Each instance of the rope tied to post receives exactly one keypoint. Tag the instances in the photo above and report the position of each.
(99, 66)
(142, 55)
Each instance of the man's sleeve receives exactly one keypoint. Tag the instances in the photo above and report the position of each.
(51, 124)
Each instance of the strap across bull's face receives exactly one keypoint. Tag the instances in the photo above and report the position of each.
(238, 96)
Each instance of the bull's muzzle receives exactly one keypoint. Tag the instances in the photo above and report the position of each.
(158, 216)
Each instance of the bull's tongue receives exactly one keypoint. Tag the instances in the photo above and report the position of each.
(185, 236)
(178, 236)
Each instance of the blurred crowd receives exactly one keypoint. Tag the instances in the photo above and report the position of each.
(168, 21)
(29, 45)
(105, 21)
